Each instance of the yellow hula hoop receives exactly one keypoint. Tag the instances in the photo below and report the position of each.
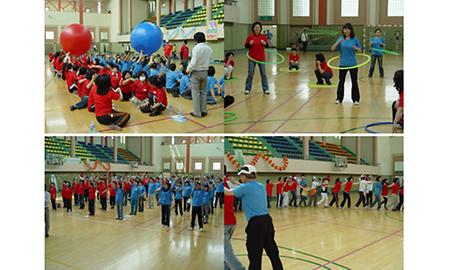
(357, 66)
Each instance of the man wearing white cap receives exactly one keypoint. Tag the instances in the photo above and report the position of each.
(260, 231)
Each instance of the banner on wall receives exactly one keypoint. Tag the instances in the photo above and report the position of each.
(212, 31)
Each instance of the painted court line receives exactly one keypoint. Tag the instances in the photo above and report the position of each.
(358, 249)
(61, 263)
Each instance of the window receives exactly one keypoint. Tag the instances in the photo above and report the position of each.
(300, 8)
(198, 166)
(349, 8)
(395, 8)
(180, 166)
(266, 8)
(104, 35)
(166, 165)
(217, 166)
(49, 35)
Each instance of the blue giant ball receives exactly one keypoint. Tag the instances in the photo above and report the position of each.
(146, 37)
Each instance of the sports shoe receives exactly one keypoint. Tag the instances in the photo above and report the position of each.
(191, 229)
(114, 127)
(247, 92)
(201, 229)
(266, 92)
(356, 103)
(337, 101)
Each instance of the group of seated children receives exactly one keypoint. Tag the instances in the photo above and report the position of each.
(98, 79)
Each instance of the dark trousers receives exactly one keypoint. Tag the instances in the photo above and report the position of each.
(380, 65)
(86, 194)
(369, 198)
(64, 203)
(237, 204)
(117, 118)
(112, 201)
(335, 199)
(197, 212)
(187, 206)
(127, 96)
(303, 199)
(141, 204)
(69, 204)
(165, 214)
(355, 87)
(54, 204)
(293, 198)
(148, 108)
(400, 203)
(103, 203)
(385, 200)
(362, 199)
(279, 200)
(346, 199)
(91, 207)
(304, 46)
(219, 198)
(75, 199)
(323, 76)
(268, 201)
(261, 235)
(81, 201)
(178, 206)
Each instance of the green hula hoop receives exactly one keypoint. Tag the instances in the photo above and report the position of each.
(357, 66)
(268, 63)
(386, 51)
(232, 117)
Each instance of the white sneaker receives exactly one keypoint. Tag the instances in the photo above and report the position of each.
(201, 229)
(356, 103)
(247, 92)
(337, 101)
(266, 92)
(191, 229)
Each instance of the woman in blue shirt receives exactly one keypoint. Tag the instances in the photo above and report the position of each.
(347, 45)
(197, 197)
(377, 45)
(187, 190)
(165, 201)
(178, 199)
(119, 200)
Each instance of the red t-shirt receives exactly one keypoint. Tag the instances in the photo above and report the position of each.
(269, 188)
(126, 88)
(69, 193)
(101, 189)
(294, 58)
(112, 191)
(141, 89)
(184, 52)
(115, 79)
(91, 193)
(83, 90)
(52, 193)
(294, 185)
(80, 190)
(228, 63)
(229, 217)
(337, 187)
(395, 188)
(324, 66)
(286, 187)
(348, 186)
(168, 50)
(279, 186)
(385, 190)
(57, 64)
(256, 51)
(86, 185)
(71, 78)
(103, 104)
(161, 96)
(401, 190)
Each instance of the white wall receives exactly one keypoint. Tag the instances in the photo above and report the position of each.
(387, 147)
(55, 18)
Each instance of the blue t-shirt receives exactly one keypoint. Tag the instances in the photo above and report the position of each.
(171, 79)
(166, 197)
(119, 196)
(303, 183)
(210, 84)
(141, 190)
(376, 44)
(187, 190)
(151, 188)
(254, 200)
(178, 192)
(134, 191)
(206, 197)
(137, 68)
(377, 190)
(197, 197)
(348, 54)
(152, 72)
(220, 188)
(184, 84)
(125, 65)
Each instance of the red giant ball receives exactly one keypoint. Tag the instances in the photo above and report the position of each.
(76, 39)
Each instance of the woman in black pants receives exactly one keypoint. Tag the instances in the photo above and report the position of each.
(347, 45)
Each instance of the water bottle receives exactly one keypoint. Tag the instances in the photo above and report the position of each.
(92, 127)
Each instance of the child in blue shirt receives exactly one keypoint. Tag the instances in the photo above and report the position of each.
(173, 81)
(348, 45)
(151, 187)
(119, 201)
(377, 45)
(165, 201)
(178, 199)
(185, 87)
(206, 203)
(134, 197)
(197, 198)
(213, 88)
(141, 190)
(187, 191)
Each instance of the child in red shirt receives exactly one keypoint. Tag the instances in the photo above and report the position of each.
(184, 53)
(294, 59)
(269, 187)
(53, 195)
(116, 76)
(157, 101)
(141, 89)
(85, 84)
(346, 192)
(323, 71)
(279, 186)
(336, 190)
(72, 78)
(80, 192)
(126, 85)
(69, 193)
(112, 195)
(228, 64)
(91, 198)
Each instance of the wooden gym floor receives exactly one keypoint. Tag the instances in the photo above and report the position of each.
(294, 107)
(337, 239)
(59, 119)
(78, 241)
